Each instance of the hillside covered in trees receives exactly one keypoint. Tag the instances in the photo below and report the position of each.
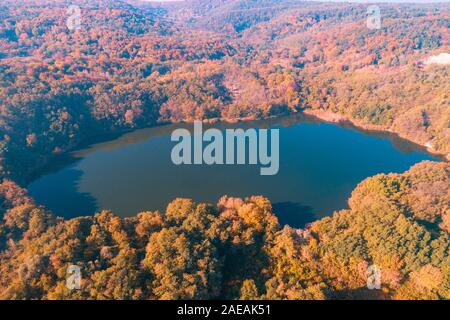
(237, 249)
(134, 64)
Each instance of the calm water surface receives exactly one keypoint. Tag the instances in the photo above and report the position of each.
(320, 164)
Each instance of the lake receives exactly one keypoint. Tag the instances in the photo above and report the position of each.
(320, 164)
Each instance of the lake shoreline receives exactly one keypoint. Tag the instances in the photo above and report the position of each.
(320, 115)
(332, 117)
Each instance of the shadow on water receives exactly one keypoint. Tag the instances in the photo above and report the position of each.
(54, 164)
(403, 145)
(62, 195)
(294, 214)
(107, 141)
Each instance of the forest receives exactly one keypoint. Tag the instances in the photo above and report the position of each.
(134, 64)
(237, 249)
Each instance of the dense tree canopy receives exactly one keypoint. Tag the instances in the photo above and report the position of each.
(237, 249)
(133, 64)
